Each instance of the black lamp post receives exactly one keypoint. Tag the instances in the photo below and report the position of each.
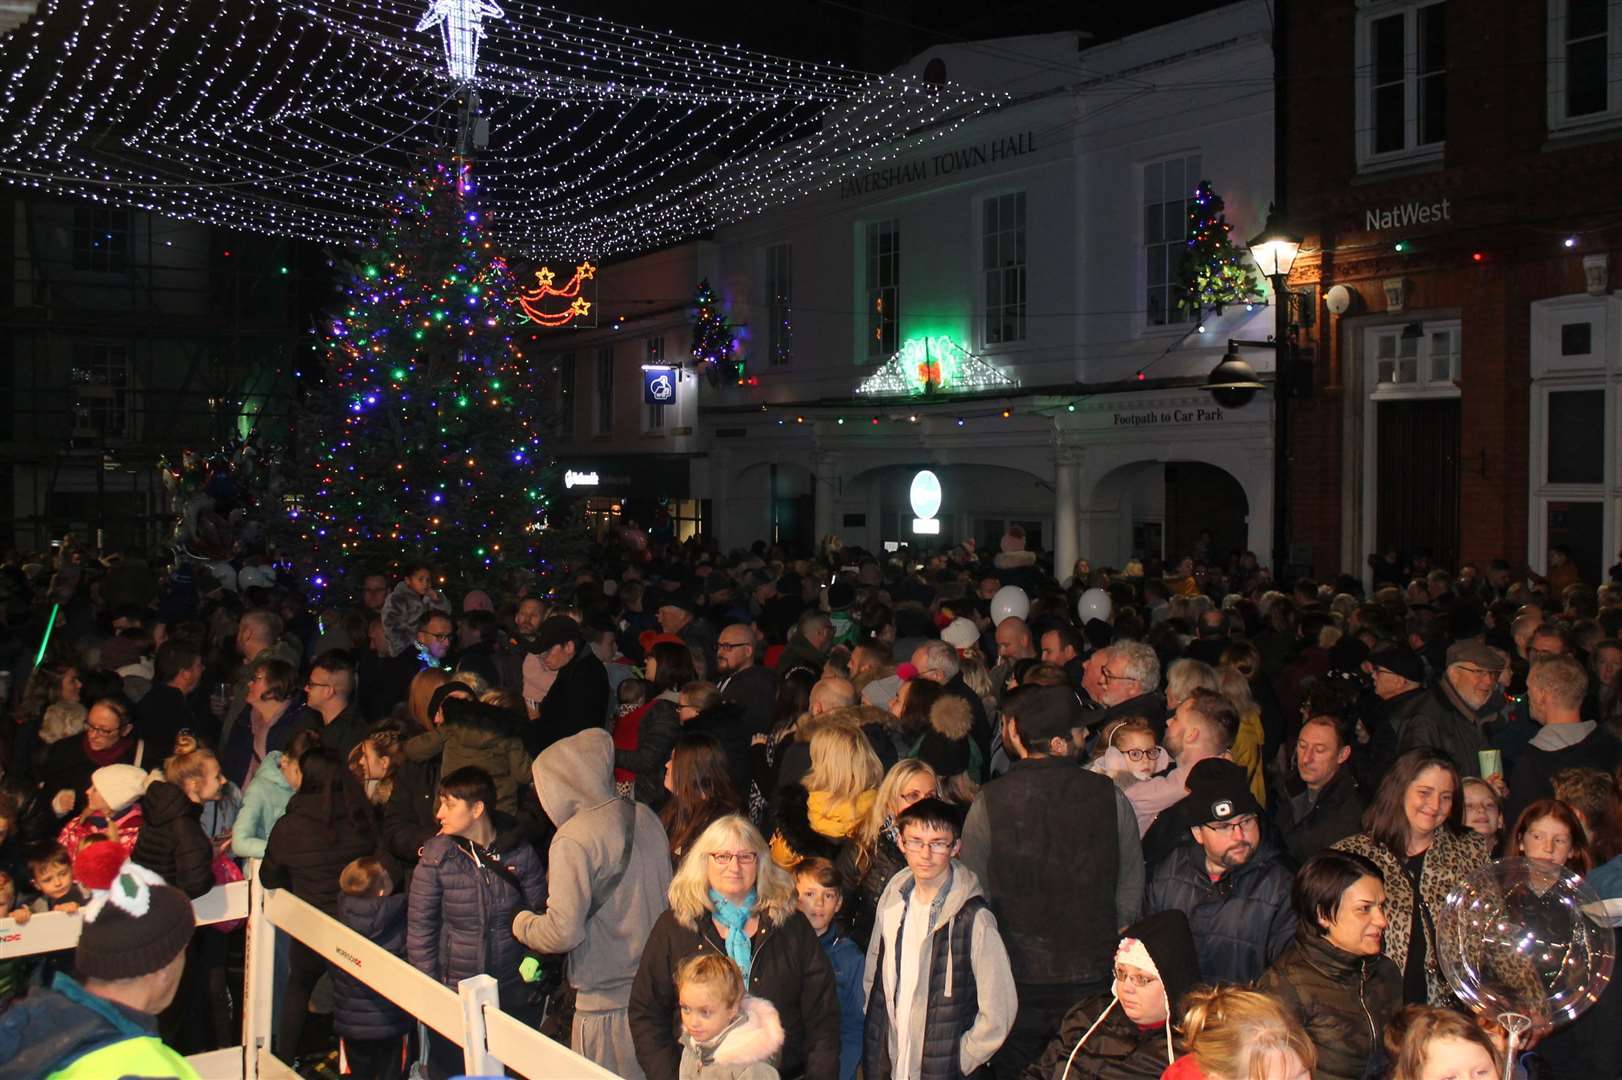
(1232, 382)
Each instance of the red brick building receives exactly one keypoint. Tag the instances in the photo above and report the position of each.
(1456, 169)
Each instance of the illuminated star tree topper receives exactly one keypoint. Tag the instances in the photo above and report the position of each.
(461, 26)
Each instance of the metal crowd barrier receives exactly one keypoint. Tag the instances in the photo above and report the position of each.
(492, 1041)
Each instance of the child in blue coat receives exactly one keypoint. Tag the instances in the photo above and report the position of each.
(819, 897)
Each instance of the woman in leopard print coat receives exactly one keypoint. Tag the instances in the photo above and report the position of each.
(1412, 830)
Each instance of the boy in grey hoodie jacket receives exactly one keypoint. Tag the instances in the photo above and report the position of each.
(940, 993)
(607, 878)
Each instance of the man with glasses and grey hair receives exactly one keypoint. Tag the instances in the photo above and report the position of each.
(1127, 678)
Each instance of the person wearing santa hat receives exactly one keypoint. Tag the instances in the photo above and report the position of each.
(131, 951)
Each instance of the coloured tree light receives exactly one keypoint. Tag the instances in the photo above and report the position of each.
(540, 304)
(1213, 271)
(421, 430)
(714, 339)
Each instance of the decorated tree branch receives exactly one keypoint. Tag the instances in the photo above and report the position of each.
(1213, 272)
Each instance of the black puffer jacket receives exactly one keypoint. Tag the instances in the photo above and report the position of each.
(408, 819)
(864, 885)
(306, 854)
(1343, 1001)
(1241, 922)
(359, 1013)
(1117, 1050)
(789, 969)
(172, 842)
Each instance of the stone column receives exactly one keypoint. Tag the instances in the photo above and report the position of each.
(1066, 510)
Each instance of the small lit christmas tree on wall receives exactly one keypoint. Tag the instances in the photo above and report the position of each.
(421, 429)
(1213, 271)
(713, 336)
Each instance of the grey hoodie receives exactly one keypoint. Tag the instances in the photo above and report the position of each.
(574, 778)
(994, 980)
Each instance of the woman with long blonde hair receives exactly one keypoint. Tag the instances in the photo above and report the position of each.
(872, 856)
(729, 897)
(817, 815)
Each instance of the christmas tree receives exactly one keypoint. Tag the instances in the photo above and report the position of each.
(712, 335)
(1213, 270)
(421, 431)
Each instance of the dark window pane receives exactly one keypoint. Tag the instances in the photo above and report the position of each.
(1577, 437)
(1388, 119)
(1154, 229)
(1585, 77)
(1579, 526)
(1576, 339)
(1585, 18)
(1388, 49)
(1432, 109)
(1432, 38)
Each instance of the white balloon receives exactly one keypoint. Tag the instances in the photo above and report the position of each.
(1094, 604)
(1010, 601)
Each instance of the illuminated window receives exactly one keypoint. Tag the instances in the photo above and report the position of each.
(883, 287)
(687, 518)
(1002, 262)
(1168, 188)
(100, 382)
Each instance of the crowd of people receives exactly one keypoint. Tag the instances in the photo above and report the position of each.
(761, 814)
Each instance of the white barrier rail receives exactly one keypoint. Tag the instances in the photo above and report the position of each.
(470, 1016)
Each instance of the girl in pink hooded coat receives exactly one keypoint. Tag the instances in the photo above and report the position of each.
(724, 1035)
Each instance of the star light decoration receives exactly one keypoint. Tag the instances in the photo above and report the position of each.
(299, 120)
(532, 301)
(461, 26)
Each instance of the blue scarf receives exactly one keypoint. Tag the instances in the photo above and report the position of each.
(735, 917)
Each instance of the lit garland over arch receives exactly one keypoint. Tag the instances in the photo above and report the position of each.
(300, 120)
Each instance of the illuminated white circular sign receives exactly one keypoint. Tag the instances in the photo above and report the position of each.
(925, 494)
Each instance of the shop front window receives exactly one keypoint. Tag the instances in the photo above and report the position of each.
(686, 518)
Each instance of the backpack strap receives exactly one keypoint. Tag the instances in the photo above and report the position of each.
(599, 897)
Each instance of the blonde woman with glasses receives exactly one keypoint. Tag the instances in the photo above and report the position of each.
(729, 897)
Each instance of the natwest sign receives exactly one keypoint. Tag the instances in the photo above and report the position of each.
(1403, 215)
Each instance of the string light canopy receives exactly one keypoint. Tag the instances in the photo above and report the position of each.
(301, 120)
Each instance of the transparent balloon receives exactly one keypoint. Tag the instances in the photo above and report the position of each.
(1093, 604)
(1009, 601)
(1525, 938)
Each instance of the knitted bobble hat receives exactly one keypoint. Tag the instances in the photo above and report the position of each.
(134, 924)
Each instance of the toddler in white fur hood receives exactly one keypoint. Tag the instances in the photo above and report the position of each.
(724, 1035)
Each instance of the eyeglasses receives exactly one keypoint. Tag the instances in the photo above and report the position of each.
(437, 637)
(936, 847)
(112, 731)
(743, 858)
(1140, 981)
(1232, 825)
(1109, 677)
(734, 644)
(313, 685)
(1138, 755)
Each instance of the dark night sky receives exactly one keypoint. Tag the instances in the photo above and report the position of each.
(878, 34)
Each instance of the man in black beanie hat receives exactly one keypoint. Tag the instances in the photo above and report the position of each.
(131, 951)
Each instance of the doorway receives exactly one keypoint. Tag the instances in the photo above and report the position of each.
(1417, 478)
